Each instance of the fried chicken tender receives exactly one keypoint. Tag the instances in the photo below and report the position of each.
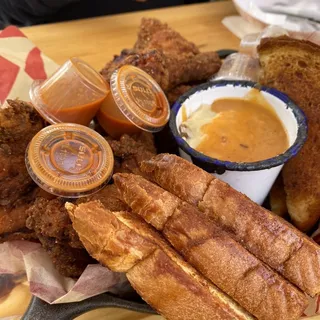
(13, 220)
(130, 151)
(52, 226)
(69, 261)
(109, 196)
(174, 94)
(48, 218)
(50, 222)
(19, 122)
(178, 60)
(155, 34)
(152, 62)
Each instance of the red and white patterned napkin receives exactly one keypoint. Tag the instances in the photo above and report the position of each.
(21, 62)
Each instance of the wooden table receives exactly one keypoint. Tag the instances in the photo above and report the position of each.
(97, 40)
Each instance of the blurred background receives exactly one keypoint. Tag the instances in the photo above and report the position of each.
(32, 12)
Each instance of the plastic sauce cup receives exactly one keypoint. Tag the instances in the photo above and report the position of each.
(69, 160)
(239, 66)
(136, 103)
(73, 94)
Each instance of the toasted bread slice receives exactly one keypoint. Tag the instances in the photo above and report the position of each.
(213, 252)
(292, 66)
(124, 242)
(267, 236)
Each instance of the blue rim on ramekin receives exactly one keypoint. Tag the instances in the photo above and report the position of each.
(219, 166)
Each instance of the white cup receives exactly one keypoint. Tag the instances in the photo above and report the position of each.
(254, 179)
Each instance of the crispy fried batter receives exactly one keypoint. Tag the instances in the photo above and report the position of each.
(49, 220)
(14, 218)
(69, 261)
(190, 68)
(19, 122)
(21, 234)
(177, 92)
(109, 197)
(166, 56)
(151, 61)
(51, 223)
(155, 34)
(131, 151)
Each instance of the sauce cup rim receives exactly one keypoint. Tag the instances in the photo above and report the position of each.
(213, 163)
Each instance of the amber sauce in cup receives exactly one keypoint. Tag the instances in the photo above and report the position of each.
(136, 103)
(73, 94)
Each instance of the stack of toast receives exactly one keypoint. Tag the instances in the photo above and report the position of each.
(292, 66)
(194, 248)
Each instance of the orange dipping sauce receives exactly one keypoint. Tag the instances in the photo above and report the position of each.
(237, 129)
(73, 94)
(80, 114)
(113, 121)
(136, 102)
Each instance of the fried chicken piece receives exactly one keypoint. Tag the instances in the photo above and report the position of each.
(19, 122)
(48, 218)
(174, 94)
(180, 61)
(50, 222)
(127, 145)
(146, 140)
(168, 71)
(155, 34)
(109, 196)
(200, 67)
(22, 234)
(151, 61)
(69, 261)
(131, 151)
(13, 218)
(184, 61)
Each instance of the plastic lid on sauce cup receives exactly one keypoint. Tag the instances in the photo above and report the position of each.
(140, 98)
(73, 94)
(69, 160)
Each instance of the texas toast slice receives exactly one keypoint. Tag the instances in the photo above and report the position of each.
(292, 66)
(267, 236)
(212, 251)
(125, 243)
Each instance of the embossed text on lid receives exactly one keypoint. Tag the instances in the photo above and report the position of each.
(140, 98)
(69, 160)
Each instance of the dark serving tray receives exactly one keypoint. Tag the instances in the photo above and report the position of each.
(40, 310)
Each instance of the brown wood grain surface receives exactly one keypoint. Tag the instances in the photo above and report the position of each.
(96, 40)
